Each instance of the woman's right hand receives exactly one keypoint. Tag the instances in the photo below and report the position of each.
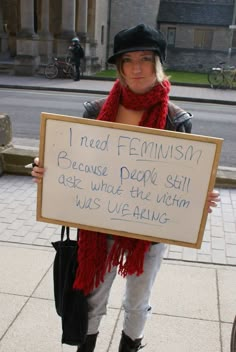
(38, 171)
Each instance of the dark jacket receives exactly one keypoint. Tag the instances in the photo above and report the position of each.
(77, 53)
(177, 119)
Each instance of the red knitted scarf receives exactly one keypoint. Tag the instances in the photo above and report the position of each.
(126, 253)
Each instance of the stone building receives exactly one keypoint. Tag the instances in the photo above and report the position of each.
(200, 33)
(32, 31)
(126, 13)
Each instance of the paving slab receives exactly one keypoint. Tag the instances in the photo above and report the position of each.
(36, 329)
(225, 336)
(186, 291)
(45, 288)
(227, 293)
(21, 269)
(10, 307)
(170, 333)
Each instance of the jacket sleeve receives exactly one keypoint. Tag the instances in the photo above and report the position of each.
(92, 108)
(178, 119)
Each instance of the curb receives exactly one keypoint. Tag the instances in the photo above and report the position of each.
(226, 177)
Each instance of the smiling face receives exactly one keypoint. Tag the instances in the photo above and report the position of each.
(138, 71)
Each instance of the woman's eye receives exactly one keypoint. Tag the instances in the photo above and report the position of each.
(126, 59)
(147, 58)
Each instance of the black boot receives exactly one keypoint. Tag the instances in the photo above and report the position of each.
(89, 344)
(128, 345)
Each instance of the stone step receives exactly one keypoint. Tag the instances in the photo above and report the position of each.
(13, 160)
(6, 67)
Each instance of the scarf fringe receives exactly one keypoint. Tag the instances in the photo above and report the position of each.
(91, 269)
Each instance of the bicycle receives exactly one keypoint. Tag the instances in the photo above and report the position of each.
(222, 76)
(59, 68)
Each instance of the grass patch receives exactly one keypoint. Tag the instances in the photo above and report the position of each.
(175, 76)
(106, 74)
(187, 77)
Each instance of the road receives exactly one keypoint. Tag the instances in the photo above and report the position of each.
(24, 108)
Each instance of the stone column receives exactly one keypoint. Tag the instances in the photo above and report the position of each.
(27, 19)
(45, 37)
(68, 18)
(82, 19)
(27, 59)
(82, 31)
(67, 27)
(3, 35)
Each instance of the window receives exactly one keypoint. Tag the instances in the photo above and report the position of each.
(171, 32)
(102, 34)
(203, 39)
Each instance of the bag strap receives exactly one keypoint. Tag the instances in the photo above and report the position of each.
(63, 228)
(67, 230)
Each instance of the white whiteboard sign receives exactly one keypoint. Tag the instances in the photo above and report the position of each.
(126, 180)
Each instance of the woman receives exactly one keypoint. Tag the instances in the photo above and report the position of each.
(138, 97)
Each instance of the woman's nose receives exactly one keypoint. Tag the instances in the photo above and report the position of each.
(137, 66)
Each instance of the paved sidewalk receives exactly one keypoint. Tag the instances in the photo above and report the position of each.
(194, 297)
(18, 224)
(193, 306)
(177, 92)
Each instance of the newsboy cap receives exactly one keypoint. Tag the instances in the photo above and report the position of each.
(138, 38)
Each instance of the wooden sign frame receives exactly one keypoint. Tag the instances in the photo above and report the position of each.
(126, 180)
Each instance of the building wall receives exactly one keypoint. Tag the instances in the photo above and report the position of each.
(101, 28)
(220, 39)
(193, 49)
(109, 17)
(195, 60)
(185, 36)
(55, 16)
(126, 13)
(10, 18)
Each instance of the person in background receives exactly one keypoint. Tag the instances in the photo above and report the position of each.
(140, 97)
(77, 54)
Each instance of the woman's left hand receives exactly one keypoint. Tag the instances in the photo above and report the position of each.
(212, 199)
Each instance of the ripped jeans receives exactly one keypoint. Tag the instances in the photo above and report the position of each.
(136, 298)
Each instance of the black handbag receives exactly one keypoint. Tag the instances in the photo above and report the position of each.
(71, 305)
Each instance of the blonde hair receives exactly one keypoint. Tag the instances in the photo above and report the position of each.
(160, 74)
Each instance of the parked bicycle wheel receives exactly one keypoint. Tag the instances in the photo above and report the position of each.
(230, 74)
(51, 71)
(215, 78)
(233, 337)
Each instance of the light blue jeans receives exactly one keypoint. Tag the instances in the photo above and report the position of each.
(136, 298)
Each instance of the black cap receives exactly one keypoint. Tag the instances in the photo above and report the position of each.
(138, 38)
